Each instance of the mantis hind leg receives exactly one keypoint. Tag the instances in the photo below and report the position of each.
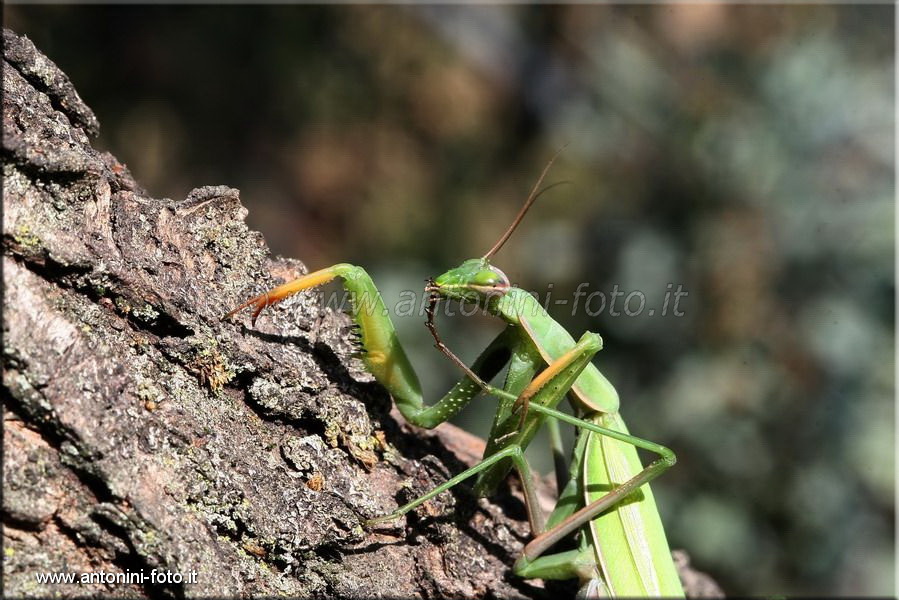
(616, 515)
(620, 492)
(514, 453)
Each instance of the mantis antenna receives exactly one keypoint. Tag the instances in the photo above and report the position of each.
(535, 193)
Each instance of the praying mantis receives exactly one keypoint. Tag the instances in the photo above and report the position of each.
(621, 545)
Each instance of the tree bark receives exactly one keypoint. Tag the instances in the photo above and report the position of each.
(143, 435)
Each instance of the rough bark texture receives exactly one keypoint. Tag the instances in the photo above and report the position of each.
(142, 433)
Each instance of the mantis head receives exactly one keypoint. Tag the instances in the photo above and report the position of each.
(475, 281)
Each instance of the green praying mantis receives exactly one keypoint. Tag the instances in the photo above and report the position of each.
(621, 545)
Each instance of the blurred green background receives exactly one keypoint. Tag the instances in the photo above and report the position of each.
(745, 153)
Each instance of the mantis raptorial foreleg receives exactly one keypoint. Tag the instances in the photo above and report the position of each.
(383, 355)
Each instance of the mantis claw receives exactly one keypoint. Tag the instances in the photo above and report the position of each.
(370, 523)
(522, 404)
(500, 439)
(259, 303)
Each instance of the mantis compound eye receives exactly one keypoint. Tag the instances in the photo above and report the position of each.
(490, 278)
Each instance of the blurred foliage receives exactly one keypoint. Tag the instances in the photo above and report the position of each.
(743, 152)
